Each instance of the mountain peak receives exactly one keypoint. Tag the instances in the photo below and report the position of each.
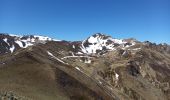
(100, 42)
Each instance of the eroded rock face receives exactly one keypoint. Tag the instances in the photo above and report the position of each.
(133, 68)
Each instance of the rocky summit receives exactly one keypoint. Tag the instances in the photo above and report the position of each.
(34, 67)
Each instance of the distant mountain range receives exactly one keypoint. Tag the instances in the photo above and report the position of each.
(100, 67)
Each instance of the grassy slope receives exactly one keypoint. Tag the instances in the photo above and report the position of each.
(34, 76)
(31, 79)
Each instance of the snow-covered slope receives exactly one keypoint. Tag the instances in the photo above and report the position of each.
(9, 43)
(100, 42)
(25, 41)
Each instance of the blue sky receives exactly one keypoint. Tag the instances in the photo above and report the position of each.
(78, 19)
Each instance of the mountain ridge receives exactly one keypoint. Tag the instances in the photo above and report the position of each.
(112, 69)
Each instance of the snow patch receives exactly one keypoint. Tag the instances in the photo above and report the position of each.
(92, 40)
(50, 54)
(79, 53)
(100, 82)
(118, 41)
(117, 76)
(42, 38)
(6, 40)
(19, 43)
(78, 68)
(45, 38)
(12, 48)
(73, 46)
(27, 43)
(75, 57)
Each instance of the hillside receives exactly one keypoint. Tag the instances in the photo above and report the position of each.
(97, 68)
